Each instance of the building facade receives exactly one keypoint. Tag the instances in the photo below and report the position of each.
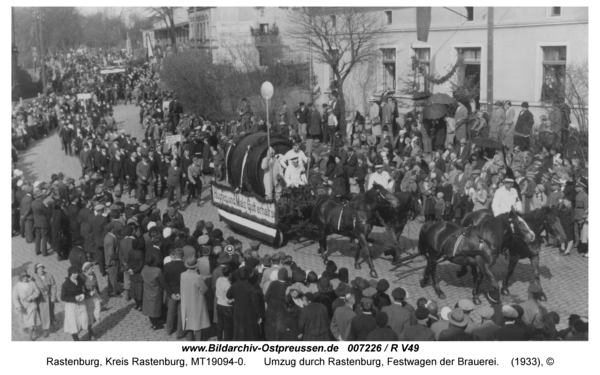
(532, 47)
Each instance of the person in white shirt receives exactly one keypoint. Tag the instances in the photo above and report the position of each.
(505, 198)
(224, 306)
(381, 177)
(295, 152)
(294, 174)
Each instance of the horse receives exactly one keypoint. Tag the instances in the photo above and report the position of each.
(354, 219)
(395, 219)
(519, 246)
(475, 246)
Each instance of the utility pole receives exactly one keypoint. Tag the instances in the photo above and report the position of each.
(490, 60)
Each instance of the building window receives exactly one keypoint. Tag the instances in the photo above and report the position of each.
(554, 65)
(423, 55)
(264, 28)
(389, 68)
(470, 13)
(555, 11)
(262, 56)
(388, 17)
(469, 75)
(333, 21)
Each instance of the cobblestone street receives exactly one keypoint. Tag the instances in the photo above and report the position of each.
(564, 279)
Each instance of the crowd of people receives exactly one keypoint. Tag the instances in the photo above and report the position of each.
(186, 279)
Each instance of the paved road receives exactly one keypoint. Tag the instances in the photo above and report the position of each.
(565, 280)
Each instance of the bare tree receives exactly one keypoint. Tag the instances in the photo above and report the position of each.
(167, 15)
(343, 38)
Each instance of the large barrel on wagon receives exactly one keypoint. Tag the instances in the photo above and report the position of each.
(255, 146)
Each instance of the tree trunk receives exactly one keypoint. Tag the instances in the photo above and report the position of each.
(342, 100)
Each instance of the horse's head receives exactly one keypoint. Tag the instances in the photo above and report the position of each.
(519, 226)
(384, 196)
(552, 224)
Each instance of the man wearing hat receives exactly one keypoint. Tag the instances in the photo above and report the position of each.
(505, 198)
(533, 312)
(380, 177)
(364, 323)
(295, 175)
(419, 331)
(510, 331)
(66, 136)
(456, 329)
(463, 151)
(485, 331)
(26, 213)
(302, 116)
(111, 257)
(467, 306)
(246, 114)
(399, 316)
(523, 127)
(172, 284)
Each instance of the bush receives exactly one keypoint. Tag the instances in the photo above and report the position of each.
(26, 87)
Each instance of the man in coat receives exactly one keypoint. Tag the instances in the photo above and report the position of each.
(463, 151)
(144, 178)
(399, 318)
(194, 312)
(497, 121)
(98, 224)
(523, 127)
(172, 284)
(111, 257)
(302, 116)
(419, 331)
(314, 320)
(41, 223)
(27, 214)
(342, 316)
(248, 307)
(581, 210)
(85, 158)
(383, 332)
(364, 323)
(246, 114)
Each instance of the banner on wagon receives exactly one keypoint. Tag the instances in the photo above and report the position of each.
(243, 205)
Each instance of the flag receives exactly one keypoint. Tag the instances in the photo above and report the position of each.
(423, 23)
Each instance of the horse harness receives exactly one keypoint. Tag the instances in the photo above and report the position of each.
(462, 236)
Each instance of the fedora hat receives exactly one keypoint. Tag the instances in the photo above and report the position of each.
(457, 318)
(191, 263)
(224, 258)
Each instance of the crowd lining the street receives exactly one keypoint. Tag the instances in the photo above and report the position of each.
(187, 279)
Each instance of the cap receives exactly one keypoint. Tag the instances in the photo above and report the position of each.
(486, 312)
(399, 294)
(466, 305)
(509, 312)
(422, 313)
(369, 292)
(203, 240)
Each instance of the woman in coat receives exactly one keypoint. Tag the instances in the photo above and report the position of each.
(135, 262)
(194, 312)
(153, 292)
(25, 294)
(48, 296)
(248, 308)
(275, 300)
(289, 328)
(76, 314)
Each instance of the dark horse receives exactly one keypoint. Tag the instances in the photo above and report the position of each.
(473, 246)
(355, 220)
(520, 245)
(395, 219)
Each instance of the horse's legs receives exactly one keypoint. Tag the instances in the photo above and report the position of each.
(474, 272)
(361, 236)
(432, 269)
(512, 264)
(486, 269)
(535, 266)
(426, 272)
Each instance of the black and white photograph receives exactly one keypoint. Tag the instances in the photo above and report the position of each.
(299, 173)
